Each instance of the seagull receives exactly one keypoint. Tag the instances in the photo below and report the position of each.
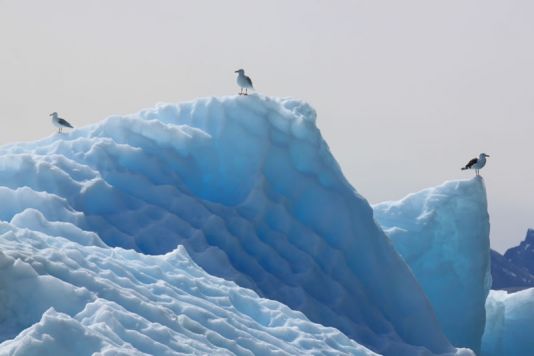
(243, 81)
(476, 163)
(59, 122)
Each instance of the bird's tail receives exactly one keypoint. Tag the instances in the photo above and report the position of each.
(464, 168)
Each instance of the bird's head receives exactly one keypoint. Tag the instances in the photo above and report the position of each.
(54, 114)
(483, 155)
(240, 71)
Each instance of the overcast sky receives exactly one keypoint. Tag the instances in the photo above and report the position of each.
(406, 91)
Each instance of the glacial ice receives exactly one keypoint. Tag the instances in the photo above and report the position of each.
(252, 192)
(443, 234)
(510, 324)
(63, 297)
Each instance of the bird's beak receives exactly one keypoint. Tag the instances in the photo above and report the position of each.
(236, 71)
(487, 155)
(50, 115)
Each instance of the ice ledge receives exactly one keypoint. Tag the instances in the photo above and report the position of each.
(510, 323)
(443, 234)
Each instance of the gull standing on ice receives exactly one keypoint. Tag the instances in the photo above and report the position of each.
(243, 81)
(476, 163)
(59, 122)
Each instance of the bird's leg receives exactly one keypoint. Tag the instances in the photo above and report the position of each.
(241, 91)
(246, 91)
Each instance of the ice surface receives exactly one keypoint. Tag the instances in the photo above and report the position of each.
(246, 185)
(443, 234)
(510, 324)
(74, 299)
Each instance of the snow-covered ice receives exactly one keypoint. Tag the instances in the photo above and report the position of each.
(443, 234)
(72, 299)
(250, 189)
(510, 324)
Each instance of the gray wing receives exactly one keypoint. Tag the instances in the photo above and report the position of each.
(249, 81)
(64, 122)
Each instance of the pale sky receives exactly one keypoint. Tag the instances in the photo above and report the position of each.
(406, 91)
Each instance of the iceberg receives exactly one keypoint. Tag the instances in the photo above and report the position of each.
(443, 235)
(63, 297)
(251, 191)
(510, 324)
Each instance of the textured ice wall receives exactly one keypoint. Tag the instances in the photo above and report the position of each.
(443, 234)
(69, 297)
(510, 324)
(251, 190)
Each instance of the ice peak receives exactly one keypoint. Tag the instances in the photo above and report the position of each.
(250, 189)
(443, 234)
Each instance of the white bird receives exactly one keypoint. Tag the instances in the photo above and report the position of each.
(59, 122)
(476, 163)
(243, 81)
